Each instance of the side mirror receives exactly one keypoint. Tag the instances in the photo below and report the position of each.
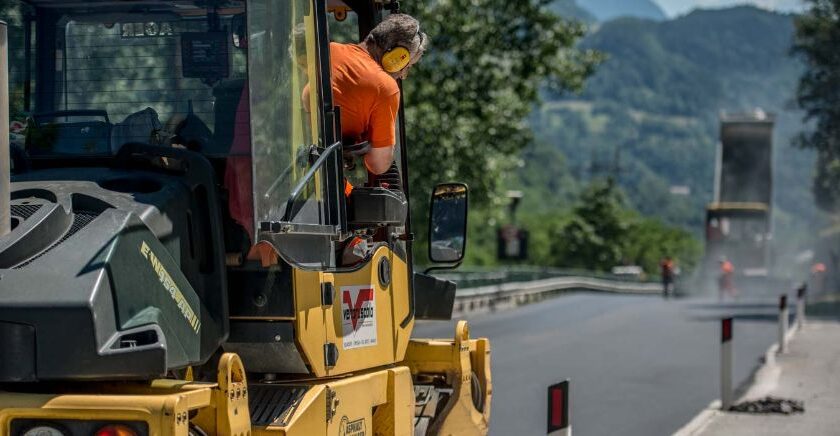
(448, 223)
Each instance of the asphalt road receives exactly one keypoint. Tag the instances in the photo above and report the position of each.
(638, 365)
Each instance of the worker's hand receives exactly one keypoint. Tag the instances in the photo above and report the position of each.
(379, 159)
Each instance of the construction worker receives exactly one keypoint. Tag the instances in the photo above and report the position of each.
(364, 83)
(666, 267)
(726, 285)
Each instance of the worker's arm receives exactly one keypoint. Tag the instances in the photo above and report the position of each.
(379, 159)
(383, 123)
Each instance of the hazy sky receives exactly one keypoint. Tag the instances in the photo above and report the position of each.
(678, 7)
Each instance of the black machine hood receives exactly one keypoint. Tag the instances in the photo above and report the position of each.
(109, 274)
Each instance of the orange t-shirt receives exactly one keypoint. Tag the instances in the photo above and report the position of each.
(368, 97)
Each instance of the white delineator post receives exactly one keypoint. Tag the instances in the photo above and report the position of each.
(783, 323)
(800, 305)
(725, 363)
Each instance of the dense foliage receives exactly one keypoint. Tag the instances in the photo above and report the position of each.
(648, 119)
(649, 116)
(592, 228)
(601, 233)
(593, 237)
(467, 100)
(817, 42)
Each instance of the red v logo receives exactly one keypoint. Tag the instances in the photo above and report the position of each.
(355, 308)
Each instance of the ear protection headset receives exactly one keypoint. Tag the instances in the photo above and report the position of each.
(398, 57)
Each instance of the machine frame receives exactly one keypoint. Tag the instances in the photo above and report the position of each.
(277, 362)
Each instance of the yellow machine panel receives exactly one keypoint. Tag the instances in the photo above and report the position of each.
(363, 321)
(376, 403)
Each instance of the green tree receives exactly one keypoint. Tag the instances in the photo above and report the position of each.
(649, 240)
(603, 232)
(468, 98)
(593, 237)
(817, 40)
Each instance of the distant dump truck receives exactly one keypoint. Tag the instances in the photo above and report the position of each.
(738, 227)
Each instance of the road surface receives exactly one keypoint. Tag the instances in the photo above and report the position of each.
(638, 365)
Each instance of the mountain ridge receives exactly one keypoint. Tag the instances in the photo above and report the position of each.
(605, 10)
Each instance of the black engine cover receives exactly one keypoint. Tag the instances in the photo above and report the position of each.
(110, 274)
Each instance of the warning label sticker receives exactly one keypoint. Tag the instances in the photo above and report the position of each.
(358, 312)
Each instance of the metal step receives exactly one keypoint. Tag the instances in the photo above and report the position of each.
(273, 404)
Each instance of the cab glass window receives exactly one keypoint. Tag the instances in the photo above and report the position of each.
(284, 101)
(160, 77)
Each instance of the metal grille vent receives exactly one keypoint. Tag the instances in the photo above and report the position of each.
(273, 404)
(24, 211)
(80, 220)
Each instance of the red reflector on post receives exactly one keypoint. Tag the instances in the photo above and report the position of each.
(783, 302)
(558, 406)
(726, 330)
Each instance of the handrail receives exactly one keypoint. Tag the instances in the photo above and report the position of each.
(307, 178)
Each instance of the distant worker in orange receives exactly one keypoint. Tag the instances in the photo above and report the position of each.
(726, 284)
(666, 267)
(818, 277)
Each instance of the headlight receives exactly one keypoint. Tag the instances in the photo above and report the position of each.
(77, 427)
(44, 430)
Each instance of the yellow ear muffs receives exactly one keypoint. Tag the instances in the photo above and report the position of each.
(396, 59)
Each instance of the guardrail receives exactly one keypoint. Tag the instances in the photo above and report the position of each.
(479, 277)
(522, 292)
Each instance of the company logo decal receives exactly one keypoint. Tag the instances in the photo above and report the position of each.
(351, 428)
(170, 286)
(358, 316)
(146, 30)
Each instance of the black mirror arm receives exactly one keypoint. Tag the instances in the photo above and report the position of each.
(329, 151)
(443, 267)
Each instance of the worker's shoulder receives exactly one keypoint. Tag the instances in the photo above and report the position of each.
(354, 57)
(387, 84)
(341, 49)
